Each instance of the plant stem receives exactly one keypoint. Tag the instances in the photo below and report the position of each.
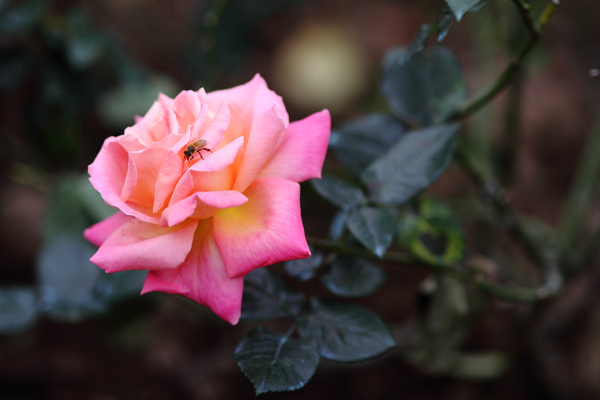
(528, 19)
(470, 276)
(513, 67)
(580, 196)
(542, 256)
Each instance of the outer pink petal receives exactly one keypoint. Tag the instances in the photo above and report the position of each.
(98, 233)
(263, 139)
(302, 152)
(140, 245)
(251, 98)
(107, 175)
(201, 205)
(265, 230)
(202, 277)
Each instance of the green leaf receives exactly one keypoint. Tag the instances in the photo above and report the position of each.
(274, 362)
(304, 268)
(18, 309)
(353, 277)
(266, 296)
(66, 280)
(433, 234)
(359, 141)
(413, 164)
(338, 224)
(461, 7)
(339, 192)
(425, 88)
(373, 227)
(345, 332)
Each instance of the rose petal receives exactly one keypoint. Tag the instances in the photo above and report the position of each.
(213, 134)
(98, 233)
(140, 245)
(302, 152)
(262, 141)
(201, 205)
(107, 175)
(169, 173)
(202, 277)
(210, 173)
(186, 107)
(251, 98)
(265, 230)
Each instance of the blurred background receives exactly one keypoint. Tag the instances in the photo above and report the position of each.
(75, 72)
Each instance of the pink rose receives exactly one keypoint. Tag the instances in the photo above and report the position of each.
(199, 226)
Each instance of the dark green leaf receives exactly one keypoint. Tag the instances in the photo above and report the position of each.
(413, 164)
(305, 268)
(66, 279)
(353, 277)
(274, 362)
(425, 88)
(359, 141)
(373, 227)
(18, 309)
(346, 332)
(338, 224)
(339, 192)
(433, 234)
(461, 7)
(266, 296)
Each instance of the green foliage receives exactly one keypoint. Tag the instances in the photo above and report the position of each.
(339, 192)
(265, 296)
(358, 142)
(461, 7)
(274, 362)
(425, 88)
(345, 332)
(432, 233)
(353, 277)
(304, 268)
(373, 227)
(411, 165)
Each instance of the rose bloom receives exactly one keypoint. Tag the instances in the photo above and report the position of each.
(199, 225)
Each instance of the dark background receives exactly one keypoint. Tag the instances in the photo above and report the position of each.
(75, 72)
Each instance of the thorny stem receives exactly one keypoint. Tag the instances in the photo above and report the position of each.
(467, 275)
(510, 72)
